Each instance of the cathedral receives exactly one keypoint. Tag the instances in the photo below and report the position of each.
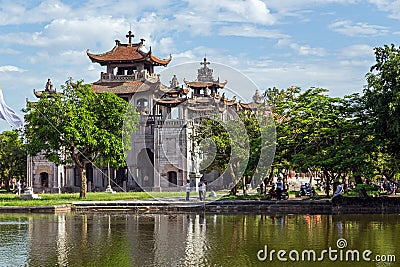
(163, 156)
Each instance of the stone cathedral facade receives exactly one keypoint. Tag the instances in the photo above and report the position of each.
(161, 158)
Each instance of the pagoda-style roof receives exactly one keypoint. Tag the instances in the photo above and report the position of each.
(127, 87)
(49, 91)
(205, 84)
(200, 84)
(169, 101)
(128, 53)
(40, 94)
(249, 106)
(174, 91)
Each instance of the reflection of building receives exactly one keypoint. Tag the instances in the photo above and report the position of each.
(160, 158)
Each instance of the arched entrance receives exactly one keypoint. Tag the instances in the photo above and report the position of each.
(145, 161)
(44, 179)
(172, 178)
(121, 176)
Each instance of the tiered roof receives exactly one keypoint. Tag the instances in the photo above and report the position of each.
(128, 87)
(172, 95)
(205, 78)
(128, 53)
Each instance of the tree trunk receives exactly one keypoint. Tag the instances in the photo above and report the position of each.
(233, 191)
(327, 183)
(269, 179)
(83, 182)
(7, 184)
(285, 179)
(233, 176)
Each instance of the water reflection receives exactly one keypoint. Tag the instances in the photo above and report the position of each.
(184, 239)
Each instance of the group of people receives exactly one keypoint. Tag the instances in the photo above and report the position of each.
(14, 185)
(202, 189)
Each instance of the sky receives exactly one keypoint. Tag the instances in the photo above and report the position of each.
(305, 43)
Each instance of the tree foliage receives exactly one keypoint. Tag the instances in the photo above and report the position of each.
(12, 157)
(320, 134)
(244, 146)
(382, 98)
(80, 126)
(336, 137)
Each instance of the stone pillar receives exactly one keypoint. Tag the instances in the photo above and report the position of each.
(157, 178)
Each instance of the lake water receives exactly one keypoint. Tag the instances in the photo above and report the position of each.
(112, 239)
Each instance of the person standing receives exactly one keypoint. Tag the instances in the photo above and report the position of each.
(187, 189)
(19, 187)
(204, 189)
(279, 189)
(200, 185)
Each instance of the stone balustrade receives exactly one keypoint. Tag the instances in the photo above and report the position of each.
(137, 75)
(171, 123)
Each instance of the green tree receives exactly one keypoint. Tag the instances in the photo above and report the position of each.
(282, 104)
(224, 146)
(382, 97)
(12, 157)
(243, 146)
(317, 133)
(80, 126)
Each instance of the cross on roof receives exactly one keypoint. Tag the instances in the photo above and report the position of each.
(205, 63)
(130, 36)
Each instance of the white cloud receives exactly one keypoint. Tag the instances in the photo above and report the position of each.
(358, 50)
(356, 63)
(251, 31)
(284, 6)
(349, 28)
(254, 11)
(10, 68)
(29, 12)
(21, 12)
(193, 24)
(391, 6)
(340, 81)
(303, 50)
(94, 33)
(9, 51)
(165, 45)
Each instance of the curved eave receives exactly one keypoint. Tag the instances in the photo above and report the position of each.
(169, 102)
(198, 84)
(222, 85)
(40, 94)
(124, 54)
(160, 62)
(175, 91)
(249, 106)
(230, 102)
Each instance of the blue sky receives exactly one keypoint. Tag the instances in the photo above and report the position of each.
(321, 43)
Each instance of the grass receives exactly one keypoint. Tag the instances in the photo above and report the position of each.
(8, 199)
(59, 199)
